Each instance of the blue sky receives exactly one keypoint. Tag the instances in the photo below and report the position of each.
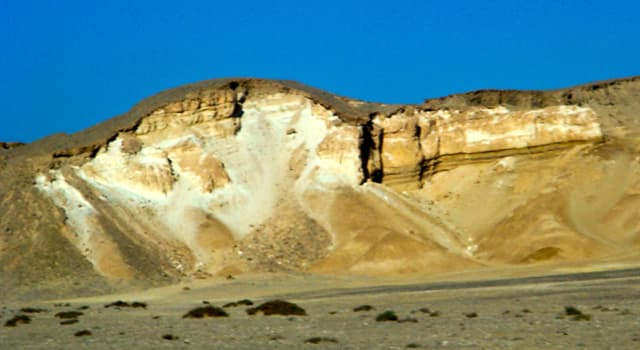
(67, 65)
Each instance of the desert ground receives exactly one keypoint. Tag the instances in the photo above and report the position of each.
(557, 307)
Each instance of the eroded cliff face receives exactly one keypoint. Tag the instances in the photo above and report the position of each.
(413, 143)
(238, 178)
(205, 173)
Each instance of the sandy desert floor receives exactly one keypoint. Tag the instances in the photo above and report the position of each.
(460, 311)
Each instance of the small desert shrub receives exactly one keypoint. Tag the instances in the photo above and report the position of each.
(576, 314)
(69, 321)
(582, 317)
(68, 314)
(277, 307)
(32, 310)
(82, 333)
(387, 316)
(572, 311)
(206, 311)
(169, 337)
(245, 302)
(120, 303)
(363, 308)
(17, 319)
(318, 340)
(471, 315)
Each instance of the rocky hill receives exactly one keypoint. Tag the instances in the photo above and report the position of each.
(232, 176)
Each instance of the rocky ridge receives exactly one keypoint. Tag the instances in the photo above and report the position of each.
(244, 175)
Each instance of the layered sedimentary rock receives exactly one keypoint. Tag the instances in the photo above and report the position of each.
(412, 142)
(235, 176)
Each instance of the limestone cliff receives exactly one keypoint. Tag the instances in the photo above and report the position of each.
(244, 175)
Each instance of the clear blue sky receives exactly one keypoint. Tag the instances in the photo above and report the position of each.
(67, 65)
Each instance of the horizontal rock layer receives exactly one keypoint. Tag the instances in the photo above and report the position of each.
(412, 142)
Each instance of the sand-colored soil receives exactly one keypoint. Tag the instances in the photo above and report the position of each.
(514, 314)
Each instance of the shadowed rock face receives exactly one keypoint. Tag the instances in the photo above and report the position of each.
(10, 145)
(232, 176)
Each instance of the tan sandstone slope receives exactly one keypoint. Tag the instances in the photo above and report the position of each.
(244, 175)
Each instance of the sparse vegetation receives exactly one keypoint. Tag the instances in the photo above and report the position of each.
(319, 340)
(241, 302)
(277, 307)
(471, 314)
(363, 308)
(32, 310)
(69, 321)
(425, 310)
(17, 319)
(387, 316)
(121, 304)
(572, 311)
(582, 317)
(68, 314)
(576, 314)
(206, 311)
(169, 337)
(118, 303)
(82, 333)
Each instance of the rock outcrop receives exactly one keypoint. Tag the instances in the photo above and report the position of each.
(10, 145)
(413, 142)
(239, 175)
